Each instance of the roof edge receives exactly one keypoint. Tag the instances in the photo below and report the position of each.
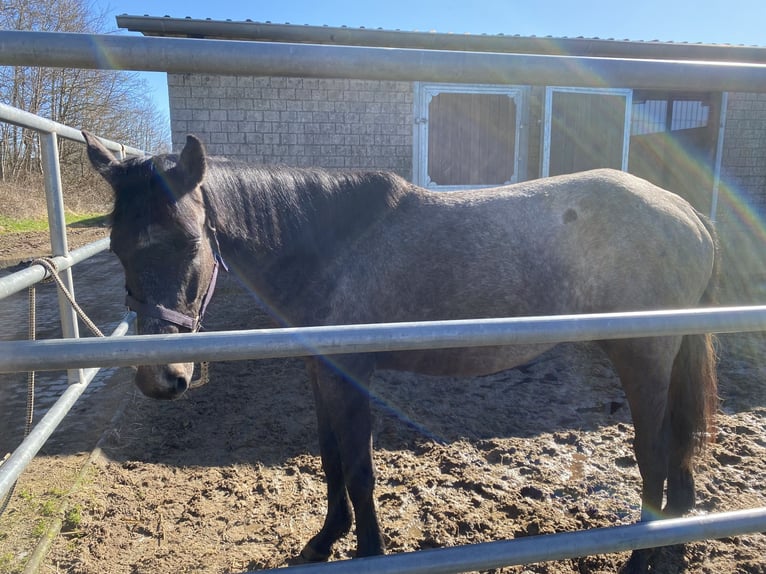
(330, 35)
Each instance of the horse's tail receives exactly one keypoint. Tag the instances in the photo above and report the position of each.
(693, 398)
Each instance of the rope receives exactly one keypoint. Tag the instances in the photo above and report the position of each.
(50, 267)
(204, 376)
(51, 275)
(31, 374)
(30, 412)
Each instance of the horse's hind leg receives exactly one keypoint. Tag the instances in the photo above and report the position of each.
(681, 489)
(644, 367)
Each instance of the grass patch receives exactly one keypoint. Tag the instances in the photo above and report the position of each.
(40, 528)
(9, 564)
(25, 494)
(49, 507)
(14, 225)
(72, 518)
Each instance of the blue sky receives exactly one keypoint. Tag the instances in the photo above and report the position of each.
(720, 22)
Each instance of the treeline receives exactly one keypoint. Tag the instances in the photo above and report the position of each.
(109, 103)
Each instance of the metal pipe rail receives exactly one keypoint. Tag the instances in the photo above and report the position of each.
(545, 547)
(48, 132)
(25, 119)
(186, 55)
(33, 274)
(180, 55)
(52, 354)
(26, 451)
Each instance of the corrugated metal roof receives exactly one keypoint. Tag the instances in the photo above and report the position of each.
(378, 37)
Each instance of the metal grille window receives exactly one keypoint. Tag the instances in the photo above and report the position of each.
(585, 128)
(471, 140)
(649, 117)
(689, 115)
(468, 136)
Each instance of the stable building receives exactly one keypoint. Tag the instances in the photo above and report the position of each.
(708, 146)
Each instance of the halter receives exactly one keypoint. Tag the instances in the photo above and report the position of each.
(172, 316)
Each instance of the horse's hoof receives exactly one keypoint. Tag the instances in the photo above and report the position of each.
(638, 562)
(309, 554)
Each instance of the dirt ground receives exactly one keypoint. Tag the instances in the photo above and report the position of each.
(228, 479)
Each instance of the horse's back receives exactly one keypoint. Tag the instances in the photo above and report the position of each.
(597, 241)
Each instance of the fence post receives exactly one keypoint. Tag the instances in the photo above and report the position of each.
(57, 225)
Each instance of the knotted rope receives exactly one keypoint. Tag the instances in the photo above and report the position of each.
(52, 275)
(51, 269)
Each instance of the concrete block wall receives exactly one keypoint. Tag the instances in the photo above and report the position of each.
(741, 215)
(743, 164)
(296, 121)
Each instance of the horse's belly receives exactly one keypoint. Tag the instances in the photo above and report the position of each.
(470, 361)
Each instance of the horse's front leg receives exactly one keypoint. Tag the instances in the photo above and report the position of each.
(344, 424)
(338, 518)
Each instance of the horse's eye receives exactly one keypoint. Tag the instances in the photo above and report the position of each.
(195, 244)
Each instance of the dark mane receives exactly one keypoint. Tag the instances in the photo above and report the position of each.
(297, 220)
(298, 207)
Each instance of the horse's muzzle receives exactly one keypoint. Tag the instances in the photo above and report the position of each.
(164, 381)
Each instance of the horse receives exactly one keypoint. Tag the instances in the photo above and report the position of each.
(323, 247)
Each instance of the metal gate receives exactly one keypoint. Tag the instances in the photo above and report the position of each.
(49, 132)
(225, 57)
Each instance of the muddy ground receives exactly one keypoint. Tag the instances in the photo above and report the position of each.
(228, 479)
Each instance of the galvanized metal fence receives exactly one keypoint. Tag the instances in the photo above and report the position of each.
(49, 131)
(215, 56)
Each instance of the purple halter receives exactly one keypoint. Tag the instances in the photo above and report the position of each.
(171, 316)
(176, 317)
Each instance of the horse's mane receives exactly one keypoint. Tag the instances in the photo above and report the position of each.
(280, 206)
(280, 212)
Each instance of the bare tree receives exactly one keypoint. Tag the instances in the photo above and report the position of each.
(110, 103)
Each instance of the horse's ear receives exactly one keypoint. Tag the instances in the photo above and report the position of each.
(192, 161)
(101, 158)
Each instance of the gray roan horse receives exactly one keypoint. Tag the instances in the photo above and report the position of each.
(333, 248)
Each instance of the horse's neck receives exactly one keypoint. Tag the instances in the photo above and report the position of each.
(287, 215)
(254, 223)
(284, 236)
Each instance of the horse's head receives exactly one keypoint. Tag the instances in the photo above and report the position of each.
(161, 236)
